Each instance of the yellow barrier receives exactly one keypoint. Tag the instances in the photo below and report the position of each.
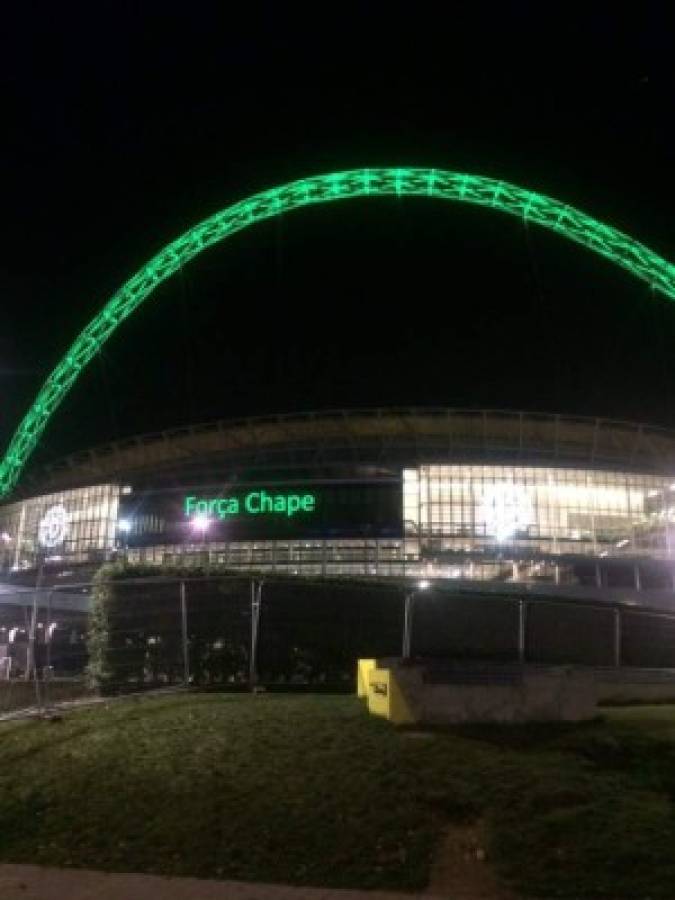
(362, 671)
(383, 693)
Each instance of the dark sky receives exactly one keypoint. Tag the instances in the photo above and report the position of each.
(125, 123)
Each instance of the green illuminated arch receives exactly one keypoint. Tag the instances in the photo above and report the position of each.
(533, 207)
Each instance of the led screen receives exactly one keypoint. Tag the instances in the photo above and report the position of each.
(261, 512)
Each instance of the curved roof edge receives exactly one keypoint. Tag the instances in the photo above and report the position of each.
(378, 436)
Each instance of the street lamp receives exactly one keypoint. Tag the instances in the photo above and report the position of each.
(422, 585)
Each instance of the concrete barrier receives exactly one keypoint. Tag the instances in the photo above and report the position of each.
(632, 685)
(437, 694)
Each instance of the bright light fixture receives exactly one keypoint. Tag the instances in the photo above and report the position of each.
(506, 508)
(200, 523)
(423, 585)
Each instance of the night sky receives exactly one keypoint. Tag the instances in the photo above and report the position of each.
(126, 123)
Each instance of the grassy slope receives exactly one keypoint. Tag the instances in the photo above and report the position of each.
(311, 790)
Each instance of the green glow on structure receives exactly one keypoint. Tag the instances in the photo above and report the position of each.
(403, 182)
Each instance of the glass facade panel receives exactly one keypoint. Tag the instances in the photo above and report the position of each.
(551, 510)
(491, 523)
(79, 525)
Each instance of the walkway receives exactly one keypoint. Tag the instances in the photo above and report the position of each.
(18, 882)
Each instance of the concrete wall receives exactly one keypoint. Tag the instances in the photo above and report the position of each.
(483, 694)
(642, 685)
(436, 693)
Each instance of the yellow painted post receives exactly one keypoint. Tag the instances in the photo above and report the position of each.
(386, 699)
(379, 693)
(363, 668)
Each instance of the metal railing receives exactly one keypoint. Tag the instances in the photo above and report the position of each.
(240, 632)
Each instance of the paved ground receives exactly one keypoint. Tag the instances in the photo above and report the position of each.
(38, 883)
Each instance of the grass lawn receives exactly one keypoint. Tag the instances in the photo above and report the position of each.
(311, 790)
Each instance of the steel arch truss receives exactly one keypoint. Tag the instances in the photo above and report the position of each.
(622, 250)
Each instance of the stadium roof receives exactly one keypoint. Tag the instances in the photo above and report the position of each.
(370, 439)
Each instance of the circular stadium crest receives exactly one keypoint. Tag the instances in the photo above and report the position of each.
(506, 509)
(53, 526)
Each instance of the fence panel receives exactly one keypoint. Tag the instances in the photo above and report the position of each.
(313, 634)
(42, 648)
(648, 640)
(219, 631)
(569, 633)
(199, 631)
(465, 627)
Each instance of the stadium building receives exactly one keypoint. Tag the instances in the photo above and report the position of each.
(501, 501)
(545, 538)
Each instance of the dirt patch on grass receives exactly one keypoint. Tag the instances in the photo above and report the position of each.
(462, 870)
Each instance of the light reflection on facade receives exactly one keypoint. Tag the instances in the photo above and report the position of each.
(550, 510)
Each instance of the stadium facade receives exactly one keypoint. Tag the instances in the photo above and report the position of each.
(472, 496)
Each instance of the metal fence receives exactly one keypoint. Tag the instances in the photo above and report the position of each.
(239, 632)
